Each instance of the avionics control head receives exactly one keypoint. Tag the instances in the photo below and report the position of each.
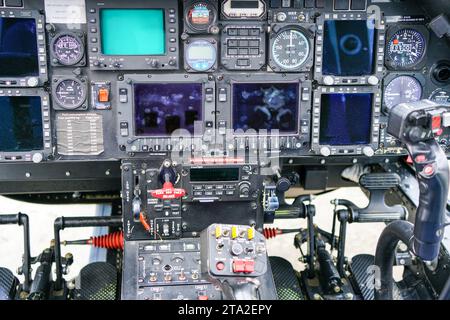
(230, 251)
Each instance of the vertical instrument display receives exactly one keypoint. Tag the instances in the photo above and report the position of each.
(266, 106)
(23, 58)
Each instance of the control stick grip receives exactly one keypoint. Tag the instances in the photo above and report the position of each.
(432, 172)
(415, 125)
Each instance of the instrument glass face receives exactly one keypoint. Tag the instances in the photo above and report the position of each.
(290, 49)
(200, 16)
(406, 48)
(441, 96)
(70, 93)
(68, 49)
(201, 55)
(402, 89)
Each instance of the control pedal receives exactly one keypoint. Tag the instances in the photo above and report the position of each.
(8, 284)
(363, 278)
(97, 281)
(286, 281)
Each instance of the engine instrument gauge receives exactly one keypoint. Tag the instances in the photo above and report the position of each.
(406, 48)
(402, 89)
(201, 55)
(70, 93)
(200, 16)
(441, 96)
(68, 49)
(290, 49)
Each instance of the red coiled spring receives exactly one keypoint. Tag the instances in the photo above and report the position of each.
(270, 233)
(108, 241)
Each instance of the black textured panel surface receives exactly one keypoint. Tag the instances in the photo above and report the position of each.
(380, 180)
(8, 283)
(362, 275)
(97, 281)
(286, 281)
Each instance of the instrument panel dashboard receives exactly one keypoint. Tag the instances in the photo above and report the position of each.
(89, 81)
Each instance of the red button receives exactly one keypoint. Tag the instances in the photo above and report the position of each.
(421, 158)
(238, 266)
(409, 160)
(103, 95)
(203, 297)
(436, 122)
(428, 170)
(220, 266)
(249, 266)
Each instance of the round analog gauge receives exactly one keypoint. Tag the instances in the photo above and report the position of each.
(402, 89)
(290, 49)
(68, 49)
(70, 93)
(200, 16)
(201, 55)
(406, 48)
(441, 96)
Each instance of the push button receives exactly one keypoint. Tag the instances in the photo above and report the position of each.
(103, 95)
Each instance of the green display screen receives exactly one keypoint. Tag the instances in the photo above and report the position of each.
(132, 31)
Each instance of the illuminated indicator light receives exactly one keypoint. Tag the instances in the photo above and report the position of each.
(250, 233)
(218, 232)
(396, 41)
(103, 95)
(234, 232)
(203, 298)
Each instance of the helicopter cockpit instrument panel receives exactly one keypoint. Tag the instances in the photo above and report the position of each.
(187, 106)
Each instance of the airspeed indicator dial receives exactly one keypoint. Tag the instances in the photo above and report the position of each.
(70, 93)
(290, 49)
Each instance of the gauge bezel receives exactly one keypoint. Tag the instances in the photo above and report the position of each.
(437, 90)
(304, 29)
(55, 61)
(390, 33)
(59, 105)
(380, 40)
(190, 28)
(187, 66)
(388, 79)
(338, 150)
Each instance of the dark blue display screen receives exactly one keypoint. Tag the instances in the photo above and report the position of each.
(162, 108)
(345, 119)
(266, 106)
(18, 48)
(21, 124)
(348, 48)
